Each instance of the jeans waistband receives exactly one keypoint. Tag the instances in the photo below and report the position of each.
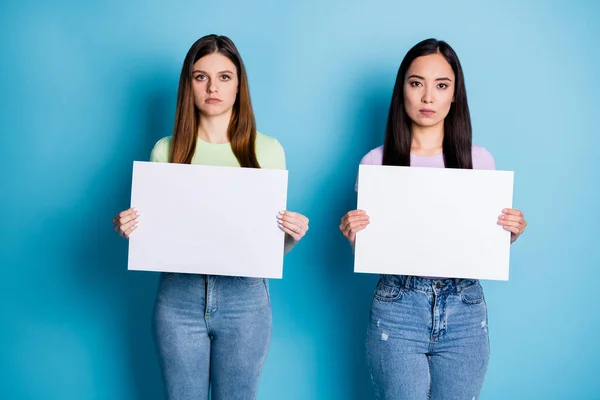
(428, 285)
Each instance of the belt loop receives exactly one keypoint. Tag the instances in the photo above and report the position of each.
(407, 281)
(457, 284)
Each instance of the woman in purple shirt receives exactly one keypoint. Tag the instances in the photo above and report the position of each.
(428, 338)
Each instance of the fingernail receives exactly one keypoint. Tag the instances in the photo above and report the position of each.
(501, 217)
(281, 212)
(505, 210)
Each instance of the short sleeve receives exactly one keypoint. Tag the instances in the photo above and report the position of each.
(366, 160)
(160, 151)
(483, 159)
(274, 157)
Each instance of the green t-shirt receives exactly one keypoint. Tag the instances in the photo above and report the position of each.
(269, 152)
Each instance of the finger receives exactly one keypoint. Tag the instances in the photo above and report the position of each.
(513, 225)
(128, 215)
(292, 227)
(348, 235)
(297, 219)
(512, 229)
(124, 227)
(292, 234)
(356, 227)
(293, 216)
(128, 232)
(512, 211)
(510, 223)
(515, 218)
(360, 218)
(129, 211)
(363, 217)
(126, 220)
(345, 227)
(354, 213)
(289, 213)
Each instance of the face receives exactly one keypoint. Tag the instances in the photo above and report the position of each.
(215, 84)
(428, 90)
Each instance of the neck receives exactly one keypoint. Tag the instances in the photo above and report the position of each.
(427, 140)
(213, 129)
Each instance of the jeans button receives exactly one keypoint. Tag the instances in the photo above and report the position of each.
(438, 285)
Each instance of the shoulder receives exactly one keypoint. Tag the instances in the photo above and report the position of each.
(160, 151)
(270, 152)
(482, 159)
(373, 157)
(267, 142)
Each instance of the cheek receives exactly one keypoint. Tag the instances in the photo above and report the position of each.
(232, 93)
(448, 102)
(199, 92)
(409, 101)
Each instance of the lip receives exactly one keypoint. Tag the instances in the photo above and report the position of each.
(212, 100)
(427, 112)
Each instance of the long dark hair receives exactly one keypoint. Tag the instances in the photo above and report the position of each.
(457, 141)
(241, 131)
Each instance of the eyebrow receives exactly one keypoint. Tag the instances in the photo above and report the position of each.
(220, 72)
(438, 79)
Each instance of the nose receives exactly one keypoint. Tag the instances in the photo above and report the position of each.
(212, 86)
(427, 95)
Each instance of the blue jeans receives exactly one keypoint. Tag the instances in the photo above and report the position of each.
(212, 332)
(427, 339)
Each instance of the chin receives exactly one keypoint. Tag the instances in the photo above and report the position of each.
(426, 122)
(214, 111)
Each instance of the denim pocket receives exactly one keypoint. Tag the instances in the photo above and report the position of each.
(472, 294)
(386, 292)
(250, 281)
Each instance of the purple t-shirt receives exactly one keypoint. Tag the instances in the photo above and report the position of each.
(482, 159)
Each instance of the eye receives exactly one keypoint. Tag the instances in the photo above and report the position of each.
(225, 77)
(200, 77)
(442, 86)
(415, 84)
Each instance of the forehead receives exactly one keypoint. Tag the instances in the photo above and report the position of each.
(431, 66)
(214, 62)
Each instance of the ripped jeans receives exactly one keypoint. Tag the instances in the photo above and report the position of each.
(427, 339)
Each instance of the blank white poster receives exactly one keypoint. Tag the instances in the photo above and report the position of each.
(208, 220)
(434, 222)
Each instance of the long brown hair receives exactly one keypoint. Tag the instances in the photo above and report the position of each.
(457, 142)
(241, 131)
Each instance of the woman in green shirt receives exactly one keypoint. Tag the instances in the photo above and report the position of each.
(214, 331)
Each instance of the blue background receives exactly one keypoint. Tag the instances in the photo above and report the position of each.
(88, 87)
